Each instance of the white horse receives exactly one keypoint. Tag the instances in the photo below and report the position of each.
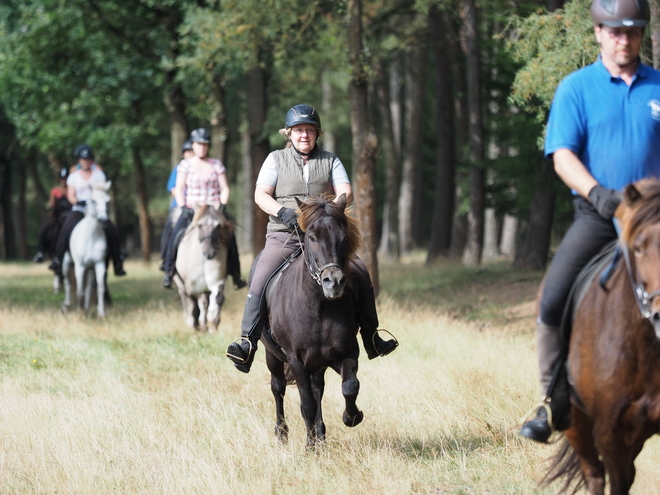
(88, 252)
(201, 267)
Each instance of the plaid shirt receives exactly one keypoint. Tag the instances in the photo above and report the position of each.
(202, 190)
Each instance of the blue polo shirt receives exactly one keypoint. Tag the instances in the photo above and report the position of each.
(171, 182)
(613, 128)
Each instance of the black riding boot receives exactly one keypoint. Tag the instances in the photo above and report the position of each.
(242, 351)
(234, 263)
(554, 412)
(368, 320)
(173, 245)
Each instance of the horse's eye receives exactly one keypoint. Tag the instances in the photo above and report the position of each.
(312, 238)
(637, 250)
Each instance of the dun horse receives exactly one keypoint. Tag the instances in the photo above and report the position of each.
(614, 357)
(201, 267)
(87, 254)
(312, 318)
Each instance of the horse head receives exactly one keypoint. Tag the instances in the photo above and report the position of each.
(98, 204)
(213, 225)
(639, 216)
(331, 241)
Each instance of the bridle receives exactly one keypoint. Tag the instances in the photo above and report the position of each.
(312, 264)
(642, 296)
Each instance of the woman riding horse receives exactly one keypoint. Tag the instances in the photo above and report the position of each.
(200, 180)
(79, 191)
(59, 207)
(300, 171)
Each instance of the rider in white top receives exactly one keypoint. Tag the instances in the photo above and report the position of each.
(79, 191)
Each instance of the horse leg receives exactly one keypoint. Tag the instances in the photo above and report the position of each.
(216, 300)
(580, 436)
(318, 387)
(203, 305)
(89, 289)
(66, 280)
(278, 388)
(80, 285)
(350, 386)
(619, 459)
(100, 288)
(307, 401)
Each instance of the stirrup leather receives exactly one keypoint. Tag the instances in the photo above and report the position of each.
(240, 359)
(373, 341)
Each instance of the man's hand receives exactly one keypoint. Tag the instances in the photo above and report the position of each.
(288, 217)
(604, 200)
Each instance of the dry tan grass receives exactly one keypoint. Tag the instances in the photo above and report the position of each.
(137, 403)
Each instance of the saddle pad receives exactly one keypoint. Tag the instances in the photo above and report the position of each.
(606, 259)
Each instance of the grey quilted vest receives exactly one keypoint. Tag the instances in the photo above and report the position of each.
(291, 182)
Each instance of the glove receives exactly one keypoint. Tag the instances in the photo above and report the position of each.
(187, 212)
(82, 203)
(288, 217)
(604, 200)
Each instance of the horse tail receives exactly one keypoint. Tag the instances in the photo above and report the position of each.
(565, 465)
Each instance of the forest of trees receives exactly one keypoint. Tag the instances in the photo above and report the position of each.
(436, 107)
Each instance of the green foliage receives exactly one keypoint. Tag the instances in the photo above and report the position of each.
(550, 46)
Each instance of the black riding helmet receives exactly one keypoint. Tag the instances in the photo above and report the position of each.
(620, 13)
(302, 114)
(187, 146)
(64, 173)
(200, 135)
(84, 151)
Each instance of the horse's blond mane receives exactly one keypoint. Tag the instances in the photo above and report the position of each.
(313, 209)
(639, 208)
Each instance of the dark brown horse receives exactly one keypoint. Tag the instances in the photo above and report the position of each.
(614, 357)
(312, 317)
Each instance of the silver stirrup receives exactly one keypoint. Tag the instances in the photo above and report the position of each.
(239, 358)
(373, 340)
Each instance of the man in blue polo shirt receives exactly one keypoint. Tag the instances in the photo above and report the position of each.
(603, 134)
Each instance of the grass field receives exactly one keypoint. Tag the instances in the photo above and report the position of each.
(139, 404)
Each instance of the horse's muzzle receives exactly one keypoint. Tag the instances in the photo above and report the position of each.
(333, 282)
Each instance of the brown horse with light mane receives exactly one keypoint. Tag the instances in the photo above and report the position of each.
(614, 357)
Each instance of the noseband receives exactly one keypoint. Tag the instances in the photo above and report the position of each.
(312, 265)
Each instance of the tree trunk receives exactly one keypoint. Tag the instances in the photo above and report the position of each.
(364, 143)
(534, 251)
(174, 102)
(491, 235)
(8, 232)
(257, 81)
(408, 198)
(509, 236)
(142, 205)
(655, 33)
(218, 120)
(326, 104)
(473, 250)
(389, 240)
(247, 230)
(445, 186)
(21, 214)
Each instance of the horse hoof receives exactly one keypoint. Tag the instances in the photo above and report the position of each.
(282, 433)
(353, 421)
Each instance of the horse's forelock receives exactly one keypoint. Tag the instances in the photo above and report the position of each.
(323, 206)
(641, 213)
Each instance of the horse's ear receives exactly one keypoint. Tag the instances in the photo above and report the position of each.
(342, 200)
(631, 195)
(107, 185)
(298, 202)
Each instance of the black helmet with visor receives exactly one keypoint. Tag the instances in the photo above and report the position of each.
(302, 114)
(620, 13)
